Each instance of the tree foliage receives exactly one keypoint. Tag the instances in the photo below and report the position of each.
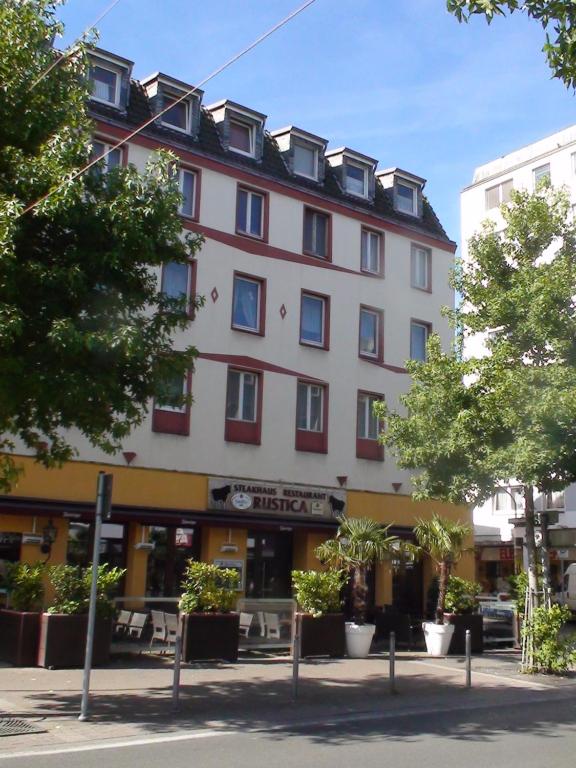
(85, 333)
(557, 16)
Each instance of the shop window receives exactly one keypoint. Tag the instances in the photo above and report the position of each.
(173, 547)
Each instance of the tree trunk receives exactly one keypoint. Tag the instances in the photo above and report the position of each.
(359, 591)
(531, 543)
(545, 559)
(442, 584)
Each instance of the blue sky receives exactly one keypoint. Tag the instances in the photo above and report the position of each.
(399, 80)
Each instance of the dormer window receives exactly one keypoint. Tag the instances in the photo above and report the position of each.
(406, 198)
(303, 152)
(177, 115)
(105, 84)
(177, 104)
(305, 161)
(241, 137)
(355, 180)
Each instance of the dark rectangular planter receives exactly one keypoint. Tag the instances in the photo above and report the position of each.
(322, 636)
(63, 640)
(19, 637)
(210, 636)
(391, 621)
(472, 621)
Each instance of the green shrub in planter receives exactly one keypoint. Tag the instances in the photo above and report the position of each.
(208, 588)
(25, 586)
(318, 592)
(72, 589)
(462, 595)
(552, 654)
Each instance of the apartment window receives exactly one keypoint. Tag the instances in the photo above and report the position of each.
(370, 344)
(250, 209)
(421, 259)
(112, 160)
(371, 252)
(243, 407)
(541, 174)
(175, 280)
(314, 320)
(419, 333)
(248, 304)
(555, 500)
(241, 137)
(105, 84)
(169, 415)
(573, 158)
(187, 181)
(311, 417)
(406, 198)
(305, 161)
(368, 428)
(355, 179)
(178, 115)
(316, 233)
(497, 195)
(502, 501)
(171, 390)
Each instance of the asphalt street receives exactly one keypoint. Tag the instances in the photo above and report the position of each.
(528, 735)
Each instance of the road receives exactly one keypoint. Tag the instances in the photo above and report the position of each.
(534, 735)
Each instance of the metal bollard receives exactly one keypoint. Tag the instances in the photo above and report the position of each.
(392, 654)
(468, 659)
(296, 657)
(176, 680)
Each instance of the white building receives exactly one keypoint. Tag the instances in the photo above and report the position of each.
(555, 158)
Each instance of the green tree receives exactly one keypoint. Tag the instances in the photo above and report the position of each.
(556, 15)
(359, 543)
(471, 424)
(85, 333)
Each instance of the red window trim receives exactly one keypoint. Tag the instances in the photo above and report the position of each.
(191, 293)
(260, 331)
(380, 235)
(313, 442)
(367, 448)
(328, 216)
(265, 212)
(418, 322)
(173, 422)
(426, 248)
(249, 432)
(379, 357)
(197, 191)
(326, 342)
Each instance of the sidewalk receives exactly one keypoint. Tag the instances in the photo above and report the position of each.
(132, 697)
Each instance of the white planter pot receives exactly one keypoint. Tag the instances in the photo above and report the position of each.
(438, 637)
(359, 639)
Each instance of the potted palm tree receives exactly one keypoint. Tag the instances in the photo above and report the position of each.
(317, 594)
(20, 622)
(209, 628)
(444, 542)
(359, 543)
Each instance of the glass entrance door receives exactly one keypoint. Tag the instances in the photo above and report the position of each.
(269, 564)
(173, 547)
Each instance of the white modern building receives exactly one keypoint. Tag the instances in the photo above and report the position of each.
(554, 158)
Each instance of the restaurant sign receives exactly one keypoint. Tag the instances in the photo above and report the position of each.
(265, 498)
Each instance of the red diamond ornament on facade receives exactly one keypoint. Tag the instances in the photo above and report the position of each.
(283, 311)
(214, 294)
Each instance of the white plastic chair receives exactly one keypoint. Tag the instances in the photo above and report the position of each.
(158, 627)
(272, 626)
(137, 623)
(171, 620)
(245, 623)
(122, 622)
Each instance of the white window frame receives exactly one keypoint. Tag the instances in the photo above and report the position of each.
(188, 280)
(369, 400)
(241, 385)
(544, 169)
(175, 408)
(117, 74)
(258, 307)
(322, 343)
(377, 332)
(188, 108)
(315, 216)
(309, 387)
(252, 137)
(107, 146)
(414, 251)
(426, 326)
(194, 174)
(243, 229)
(368, 235)
(414, 189)
(302, 145)
(501, 197)
(352, 164)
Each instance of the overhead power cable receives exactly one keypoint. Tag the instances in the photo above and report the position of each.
(172, 104)
(59, 59)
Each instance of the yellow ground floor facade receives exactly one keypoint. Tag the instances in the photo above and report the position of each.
(161, 518)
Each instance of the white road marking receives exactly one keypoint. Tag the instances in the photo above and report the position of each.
(515, 681)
